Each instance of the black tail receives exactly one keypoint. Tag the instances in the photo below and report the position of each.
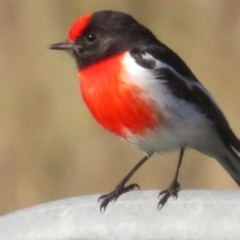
(231, 160)
(234, 141)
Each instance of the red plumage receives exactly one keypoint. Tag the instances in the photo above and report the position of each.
(78, 26)
(117, 105)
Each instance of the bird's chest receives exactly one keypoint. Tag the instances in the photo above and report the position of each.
(120, 107)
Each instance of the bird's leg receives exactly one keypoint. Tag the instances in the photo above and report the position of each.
(120, 188)
(174, 187)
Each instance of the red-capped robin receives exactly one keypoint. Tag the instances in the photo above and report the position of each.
(142, 91)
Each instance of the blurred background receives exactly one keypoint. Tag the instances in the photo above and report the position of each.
(50, 146)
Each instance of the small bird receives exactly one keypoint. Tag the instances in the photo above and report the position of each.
(140, 90)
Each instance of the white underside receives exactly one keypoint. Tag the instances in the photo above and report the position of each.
(184, 124)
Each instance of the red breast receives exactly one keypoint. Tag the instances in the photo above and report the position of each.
(117, 105)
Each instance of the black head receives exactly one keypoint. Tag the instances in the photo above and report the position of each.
(102, 34)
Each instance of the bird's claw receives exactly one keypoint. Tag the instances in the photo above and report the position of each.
(164, 195)
(114, 195)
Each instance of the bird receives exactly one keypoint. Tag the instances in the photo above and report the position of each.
(139, 89)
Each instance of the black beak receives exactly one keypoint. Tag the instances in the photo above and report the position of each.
(66, 45)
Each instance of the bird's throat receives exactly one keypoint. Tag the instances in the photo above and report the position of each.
(120, 107)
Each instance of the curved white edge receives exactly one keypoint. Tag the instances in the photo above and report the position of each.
(196, 214)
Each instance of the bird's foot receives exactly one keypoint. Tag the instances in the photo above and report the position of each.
(164, 195)
(114, 195)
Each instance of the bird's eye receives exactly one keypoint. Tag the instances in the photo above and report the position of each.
(91, 37)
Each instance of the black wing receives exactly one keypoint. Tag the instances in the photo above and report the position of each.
(183, 84)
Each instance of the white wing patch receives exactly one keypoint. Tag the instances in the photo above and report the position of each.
(190, 83)
(183, 125)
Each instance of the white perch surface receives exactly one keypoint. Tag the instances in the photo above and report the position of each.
(196, 214)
